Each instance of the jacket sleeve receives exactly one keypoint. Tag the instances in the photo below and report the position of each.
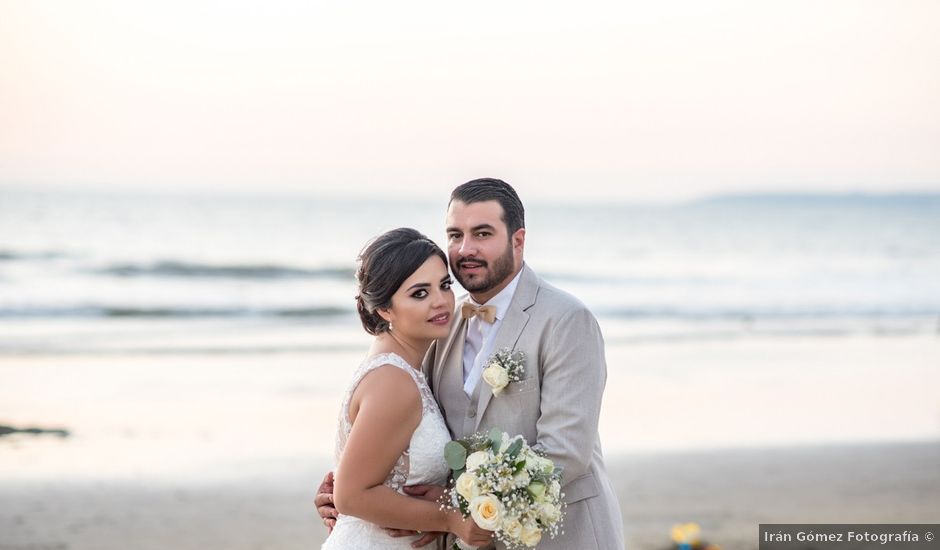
(574, 373)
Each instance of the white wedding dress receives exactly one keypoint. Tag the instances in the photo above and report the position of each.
(422, 463)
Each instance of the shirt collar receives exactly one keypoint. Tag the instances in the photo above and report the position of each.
(502, 300)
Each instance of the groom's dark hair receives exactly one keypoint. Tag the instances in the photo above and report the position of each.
(492, 189)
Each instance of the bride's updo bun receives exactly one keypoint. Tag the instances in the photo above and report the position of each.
(383, 265)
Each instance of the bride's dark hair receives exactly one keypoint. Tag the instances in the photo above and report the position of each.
(383, 265)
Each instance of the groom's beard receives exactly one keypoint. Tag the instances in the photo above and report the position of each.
(492, 275)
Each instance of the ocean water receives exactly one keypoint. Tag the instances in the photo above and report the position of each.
(87, 272)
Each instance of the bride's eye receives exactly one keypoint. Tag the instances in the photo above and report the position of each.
(420, 294)
(446, 285)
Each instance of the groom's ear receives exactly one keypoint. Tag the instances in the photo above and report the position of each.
(518, 239)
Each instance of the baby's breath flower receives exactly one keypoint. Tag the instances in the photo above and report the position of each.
(520, 504)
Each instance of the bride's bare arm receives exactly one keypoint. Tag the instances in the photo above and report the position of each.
(386, 410)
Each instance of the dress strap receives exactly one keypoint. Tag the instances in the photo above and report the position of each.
(427, 398)
(387, 359)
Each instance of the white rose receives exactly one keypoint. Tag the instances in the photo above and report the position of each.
(537, 490)
(497, 377)
(477, 459)
(485, 511)
(531, 534)
(467, 486)
(512, 527)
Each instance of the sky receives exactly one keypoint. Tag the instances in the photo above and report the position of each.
(641, 101)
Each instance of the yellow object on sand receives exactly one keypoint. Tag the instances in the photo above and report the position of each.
(686, 533)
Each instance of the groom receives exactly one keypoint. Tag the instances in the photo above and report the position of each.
(557, 402)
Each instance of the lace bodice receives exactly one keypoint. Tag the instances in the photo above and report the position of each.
(422, 463)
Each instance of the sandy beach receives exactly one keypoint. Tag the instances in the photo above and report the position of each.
(727, 492)
(225, 450)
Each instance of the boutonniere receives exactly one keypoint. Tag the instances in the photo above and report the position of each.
(503, 367)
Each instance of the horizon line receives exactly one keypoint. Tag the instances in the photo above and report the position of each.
(300, 193)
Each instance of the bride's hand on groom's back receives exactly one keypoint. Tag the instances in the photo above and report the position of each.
(324, 502)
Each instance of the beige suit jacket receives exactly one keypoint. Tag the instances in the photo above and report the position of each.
(555, 406)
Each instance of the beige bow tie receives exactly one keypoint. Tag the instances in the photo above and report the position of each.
(485, 313)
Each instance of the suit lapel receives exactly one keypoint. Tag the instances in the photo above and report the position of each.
(511, 329)
(452, 347)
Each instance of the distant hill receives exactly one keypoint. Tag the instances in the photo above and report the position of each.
(928, 200)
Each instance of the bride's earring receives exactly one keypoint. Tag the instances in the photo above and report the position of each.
(390, 326)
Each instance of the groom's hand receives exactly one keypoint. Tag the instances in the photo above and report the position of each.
(426, 538)
(324, 502)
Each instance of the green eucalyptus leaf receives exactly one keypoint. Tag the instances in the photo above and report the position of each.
(496, 439)
(456, 455)
(514, 448)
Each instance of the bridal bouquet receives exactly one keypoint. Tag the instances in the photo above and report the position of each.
(506, 487)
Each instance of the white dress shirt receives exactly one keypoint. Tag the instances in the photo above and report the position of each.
(480, 336)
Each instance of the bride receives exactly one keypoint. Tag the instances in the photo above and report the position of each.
(391, 433)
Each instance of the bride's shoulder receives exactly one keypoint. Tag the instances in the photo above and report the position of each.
(389, 372)
(386, 397)
(389, 382)
(385, 358)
